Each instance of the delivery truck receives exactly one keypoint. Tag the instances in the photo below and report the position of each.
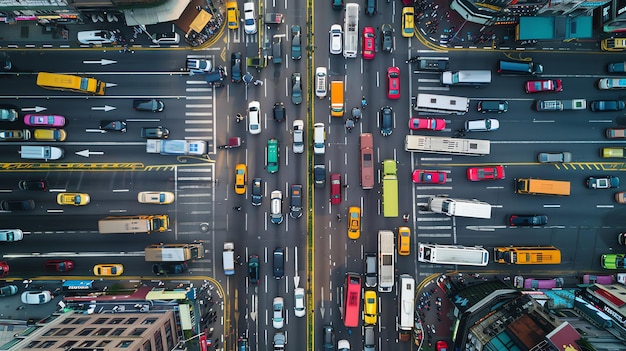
(133, 224)
(176, 147)
(459, 207)
(542, 187)
(174, 252)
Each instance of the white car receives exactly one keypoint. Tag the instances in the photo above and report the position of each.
(298, 136)
(96, 37)
(336, 39)
(321, 86)
(199, 66)
(343, 345)
(299, 309)
(278, 319)
(254, 117)
(319, 139)
(482, 125)
(36, 297)
(249, 18)
(155, 197)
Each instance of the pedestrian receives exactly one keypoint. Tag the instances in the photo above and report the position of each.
(338, 217)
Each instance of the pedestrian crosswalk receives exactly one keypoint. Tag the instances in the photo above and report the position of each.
(431, 226)
(200, 108)
(428, 79)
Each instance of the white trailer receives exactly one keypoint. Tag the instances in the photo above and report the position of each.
(459, 207)
(452, 254)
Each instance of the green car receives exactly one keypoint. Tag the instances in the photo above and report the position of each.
(272, 155)
(613, 261)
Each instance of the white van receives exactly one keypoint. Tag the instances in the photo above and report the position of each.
(319, 139)
(41, 152)
(321, 86)
(228, 258)
(466, 77)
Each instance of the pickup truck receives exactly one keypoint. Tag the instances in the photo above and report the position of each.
(617, 67)
(274, 18)
(199, 66)
(432, 64)
(616, 133)
(175, 147)
(560, 105)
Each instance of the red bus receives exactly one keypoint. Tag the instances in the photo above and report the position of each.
(351, 312)
(367, 160)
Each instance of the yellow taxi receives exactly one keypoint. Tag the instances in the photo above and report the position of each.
(241, 179)
(354, 222)
(232, 15)
(404, 241)
(408, 21)
(155, 197)
(50, 134)
(370, 307)
(108, 269)
(75, 199)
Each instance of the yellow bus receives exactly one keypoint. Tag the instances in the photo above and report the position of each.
(390, 188)
(527, 255)
(69, 82)
(613, 44)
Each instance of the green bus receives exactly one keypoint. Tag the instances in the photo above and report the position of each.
(390, 189)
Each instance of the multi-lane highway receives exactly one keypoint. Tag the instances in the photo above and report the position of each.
(583, 225)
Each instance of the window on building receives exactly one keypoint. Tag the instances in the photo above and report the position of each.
(86, 331)
(68, 344)
(81, 320)
(118, 331)
(125, 343)
(131, 321)
(116, 320)
(149, 321)
(87, 343)
(168, 335)
(67, 320)
(158, 342)
(138, 331)
(46, 344)
(100, 321)
(32, 344)
(103, 331)
(147, 346)
(103, 343)
(64, 331)
(51, 331)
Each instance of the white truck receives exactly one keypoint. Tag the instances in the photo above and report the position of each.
(176, 147)
(228, 258)
(560, 105)
(459, 207)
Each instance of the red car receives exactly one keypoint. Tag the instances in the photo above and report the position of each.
(368, 49)
(335, 189)
(476, 174)
(59, 265)
(441, 345)
(427, 123)
(4, 269)
(431, 177)
(544, 85)
(393, 83)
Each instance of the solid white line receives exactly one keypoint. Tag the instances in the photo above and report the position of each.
(198, 90)
(605, 206)
(433, 88)
(194, 178)
(196, 82)
(422, 235)
(436, 158)
(193, 170)
(551, 206)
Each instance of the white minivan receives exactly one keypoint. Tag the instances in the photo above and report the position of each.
(319, 139)
(336, 39)
(482, 125)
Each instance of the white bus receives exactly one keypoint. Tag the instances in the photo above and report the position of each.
(406, 309)
(445, 145)
(452, 254)
(351, 30)
(442, 104)
(386, 258)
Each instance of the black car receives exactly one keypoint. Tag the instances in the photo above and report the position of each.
(386, 121)
(295, 209)
(329, 338)
(253, 269)
(169, 268)
(319, 175)
(386, 37)
(33, 185)
(150, 105)
(279, 112)
(117, 126)
(528, 220)
(257, 191)
(235, 67)
(17, 205)
(607, 105)
(279, 263)
(155, 132)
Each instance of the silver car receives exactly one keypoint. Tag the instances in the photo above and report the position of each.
(298, 136)
(554, 157)
(336, 39)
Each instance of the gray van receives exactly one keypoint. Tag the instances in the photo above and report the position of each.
(279, 263)
(41, 152)
(493, 106)
(531, 68)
